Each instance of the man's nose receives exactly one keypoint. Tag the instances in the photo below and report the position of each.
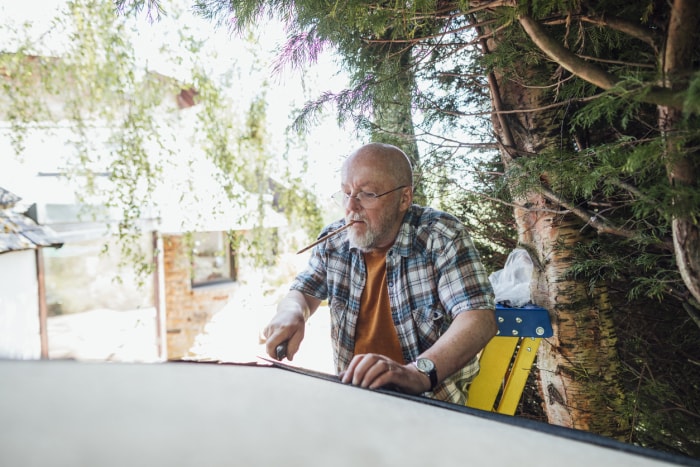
(353, 204)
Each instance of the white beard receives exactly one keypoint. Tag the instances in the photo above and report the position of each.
(374, 234)
(363, 242)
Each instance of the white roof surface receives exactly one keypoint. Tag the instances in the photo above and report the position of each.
(66, 413)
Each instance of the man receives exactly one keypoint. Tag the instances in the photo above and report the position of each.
(411, 304)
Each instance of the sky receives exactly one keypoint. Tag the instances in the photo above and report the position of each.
(327, 143)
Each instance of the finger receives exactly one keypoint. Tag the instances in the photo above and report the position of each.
(390, 373)
(271, 347)
(349, 373)
(370, 368)
(293, 344)
(274, 340)
(379, 374)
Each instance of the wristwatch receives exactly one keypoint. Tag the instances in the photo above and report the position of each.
(426, 366)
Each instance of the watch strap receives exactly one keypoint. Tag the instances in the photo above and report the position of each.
(432, 374)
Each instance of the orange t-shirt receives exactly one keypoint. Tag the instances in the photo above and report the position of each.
(375, 331)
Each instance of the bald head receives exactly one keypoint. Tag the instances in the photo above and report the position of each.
(390, 162)
(383, 174)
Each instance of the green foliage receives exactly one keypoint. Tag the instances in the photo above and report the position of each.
(154, 9)
(659, 345)
(691, 104)
(120, 119)
(650, 274)
(218, 136)
(610, 109)
(96, 82)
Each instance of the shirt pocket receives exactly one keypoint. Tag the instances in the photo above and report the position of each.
(429, 324)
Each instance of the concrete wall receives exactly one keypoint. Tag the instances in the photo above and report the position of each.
(19, 306)
(187, 309)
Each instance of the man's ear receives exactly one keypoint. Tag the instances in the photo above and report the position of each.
(406, 197)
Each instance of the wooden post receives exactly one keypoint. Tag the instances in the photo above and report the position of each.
(43, 312)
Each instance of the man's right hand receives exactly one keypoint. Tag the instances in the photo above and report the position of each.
(288, 324)
(284, 327)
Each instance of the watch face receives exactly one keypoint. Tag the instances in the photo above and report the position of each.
(425, 365)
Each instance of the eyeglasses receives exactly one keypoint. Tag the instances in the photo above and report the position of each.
(366, 200)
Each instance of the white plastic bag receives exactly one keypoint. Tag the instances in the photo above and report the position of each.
(512, 283)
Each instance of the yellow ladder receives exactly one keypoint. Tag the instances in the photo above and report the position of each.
(507, 359)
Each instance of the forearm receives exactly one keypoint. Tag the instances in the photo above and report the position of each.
(296, 302)
(467, 335)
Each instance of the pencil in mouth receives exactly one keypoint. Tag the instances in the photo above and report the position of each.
(326, 237)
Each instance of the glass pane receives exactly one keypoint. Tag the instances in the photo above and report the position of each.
(80, 277)
(98, 310)
(211, 259)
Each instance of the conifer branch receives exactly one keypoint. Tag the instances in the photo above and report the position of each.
(563, 56)
(645, 35)
(595, 220)
(591, 73)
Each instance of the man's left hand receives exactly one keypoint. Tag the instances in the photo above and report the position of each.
(374, 371)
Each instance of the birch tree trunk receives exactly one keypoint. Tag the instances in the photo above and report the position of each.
(579, 364)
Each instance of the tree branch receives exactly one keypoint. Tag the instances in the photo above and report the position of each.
(680, 39)
(596, 221)
(564, 56)
(591, 73)
(645, 35)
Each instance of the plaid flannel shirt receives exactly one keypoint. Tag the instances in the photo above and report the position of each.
(433, 273)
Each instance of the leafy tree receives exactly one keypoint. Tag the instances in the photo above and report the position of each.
(581, 119)
(119, 116)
